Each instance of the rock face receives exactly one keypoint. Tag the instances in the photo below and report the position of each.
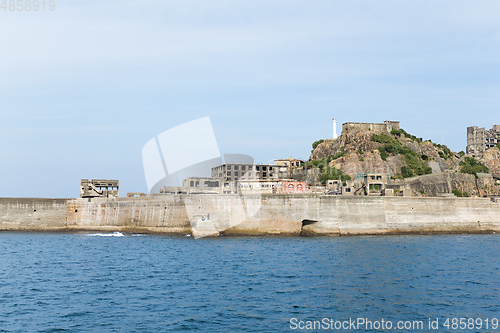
(354, 164)
(491, 158)
(359, 154)
(445, 182)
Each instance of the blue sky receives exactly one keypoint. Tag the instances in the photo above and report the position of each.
(84, 87)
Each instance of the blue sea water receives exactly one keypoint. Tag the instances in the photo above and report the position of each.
(89, 283)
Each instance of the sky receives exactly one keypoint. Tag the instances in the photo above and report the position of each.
(84, 87)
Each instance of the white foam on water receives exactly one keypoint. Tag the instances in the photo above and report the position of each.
(114, 234)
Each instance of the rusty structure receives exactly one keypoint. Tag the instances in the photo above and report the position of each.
(99, 188)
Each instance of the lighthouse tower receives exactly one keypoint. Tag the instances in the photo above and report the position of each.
(334, 121)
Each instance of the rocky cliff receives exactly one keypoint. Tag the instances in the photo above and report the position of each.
(427, 168)
(356, 152)
(491, 158)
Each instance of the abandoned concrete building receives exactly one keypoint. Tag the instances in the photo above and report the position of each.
(479, 139)
(386, 126)
(371, 184)
(339, 187)
(103, 188)
(233, 172)
(285, 166)
(202, 185)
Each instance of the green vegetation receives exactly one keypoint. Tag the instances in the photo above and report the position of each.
(445, 153)
(317, 143)
(332, 173)
(415, 165)
(327, 172)
(462, 153)
(498, 146)
(460, 194)
(382, 138)
(472, 166)
(422, 192)
(424, 157)
(361, 159)
(401, 131)
(406, 172)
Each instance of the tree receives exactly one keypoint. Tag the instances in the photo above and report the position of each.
(472, 166)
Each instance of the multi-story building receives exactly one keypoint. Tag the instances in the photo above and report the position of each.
(202, 185)
(480, 139)
(233, 172)
(285, 166)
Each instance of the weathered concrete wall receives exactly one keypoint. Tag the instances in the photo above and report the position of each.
(394, 215)
(278, 214)
(147, 214)
(32, 214)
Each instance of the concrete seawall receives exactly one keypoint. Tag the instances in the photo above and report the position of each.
(283, 214)
(33, 214)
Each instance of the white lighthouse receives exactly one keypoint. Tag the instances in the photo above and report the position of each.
(334, 121)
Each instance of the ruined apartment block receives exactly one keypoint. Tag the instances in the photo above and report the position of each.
(233, 172)
(479, 139)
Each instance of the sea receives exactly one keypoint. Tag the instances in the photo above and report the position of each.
(114, 282)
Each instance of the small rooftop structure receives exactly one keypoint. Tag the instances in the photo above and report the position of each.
(99, 188)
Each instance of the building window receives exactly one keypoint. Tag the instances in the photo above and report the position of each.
(236, 173)
(264, 174)
(235, 167)
(229, 173)
(348, 189)
(264, 168)
(197, 184)
(229, 167)
(257, 168)
(379, 177)
(191, 184)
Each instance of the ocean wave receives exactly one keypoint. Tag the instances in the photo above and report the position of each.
(114, 234)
